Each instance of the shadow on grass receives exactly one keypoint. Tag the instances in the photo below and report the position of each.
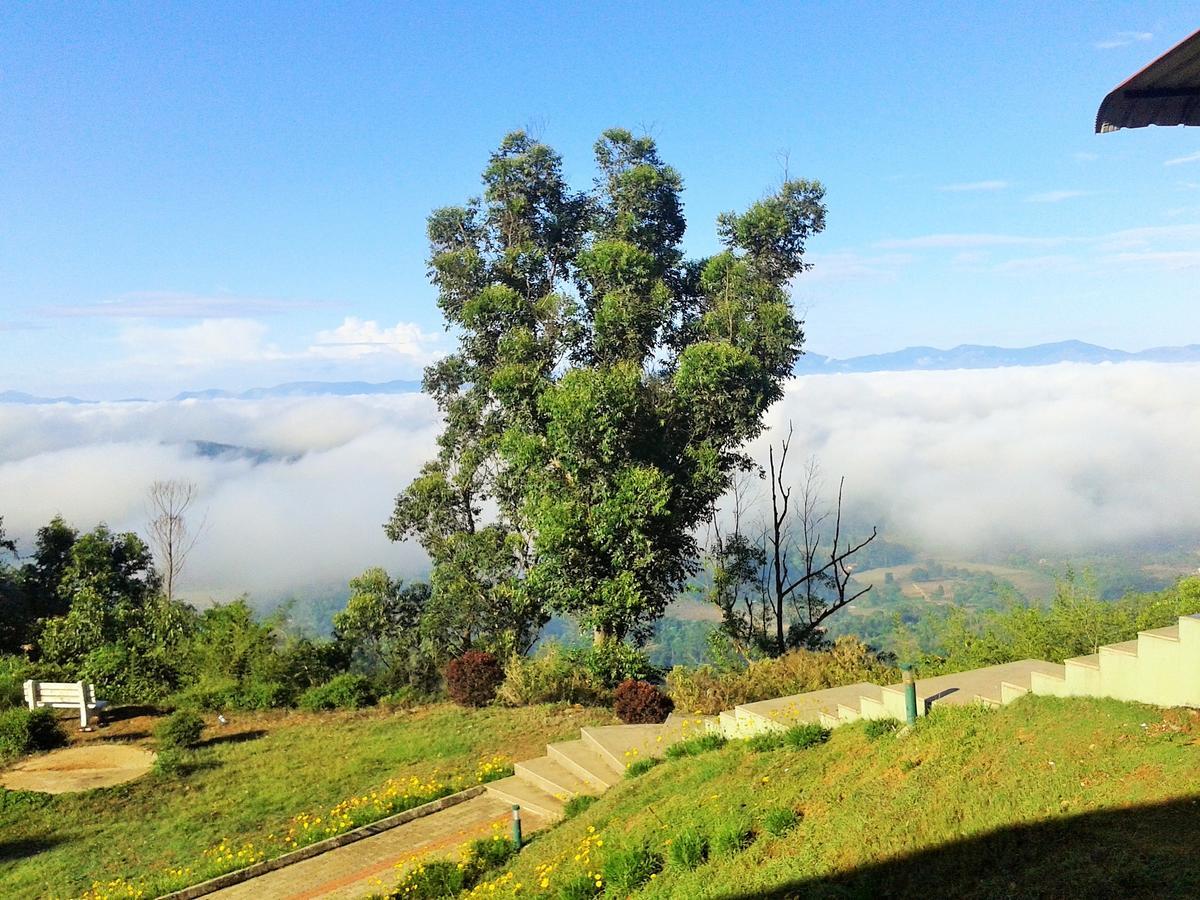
(132, 711)
(1143, 851)
(238, 737)
(11, 851)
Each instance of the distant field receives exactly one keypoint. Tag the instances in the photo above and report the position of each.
(1033, 584)
(260, 771)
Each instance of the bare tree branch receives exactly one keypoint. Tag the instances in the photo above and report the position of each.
(172, 540)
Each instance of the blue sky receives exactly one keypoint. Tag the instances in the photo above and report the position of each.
(198, 195)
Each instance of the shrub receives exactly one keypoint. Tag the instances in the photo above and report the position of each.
(627, 870)
(733, 836)
(474, 678)
(550, 677)
(491, 853)
(641, 703)
(345, 691)
(432, 880)
(173, 761)
(255, 693)
(877, 728)
(23, 800)
(28, 731)
(612, 662)
(580, 887)
(578, 804)
(641, 766)
(805, 735)
(695, 746)
(208, 694)
(780, 820)
(708, 690)
(765, 741)
(689, 848)
(179, 731)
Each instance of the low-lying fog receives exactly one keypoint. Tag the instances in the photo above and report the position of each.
(1065, 458)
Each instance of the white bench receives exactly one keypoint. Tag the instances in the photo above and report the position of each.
(66, 695)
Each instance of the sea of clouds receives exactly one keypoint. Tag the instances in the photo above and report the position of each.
(1064, 458)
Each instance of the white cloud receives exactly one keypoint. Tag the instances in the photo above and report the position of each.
(1124, 39)
(209, 343)
(969, 186)
(172, 305)
(850, 265)
(1085, 156)
(1062, 457)
(357, 338)
(1180, 160)
(1055, 196)
(959, 241)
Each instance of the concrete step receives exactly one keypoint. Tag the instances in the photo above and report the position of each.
(965, 688)
(554, 779)
(872, 708)
(1050, 684)
(586, 764)
(515, 789)
(1119, 670)
(784, 712)
(1189, 632)
(680, 727)
(732, 726)
(621, 745)
(850, 713)
(1083, 676)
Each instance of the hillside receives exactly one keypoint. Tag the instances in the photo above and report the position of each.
(253, 778)
(1043, 798)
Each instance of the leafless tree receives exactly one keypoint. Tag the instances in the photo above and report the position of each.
(764, 601)
(823, 586)
(169, 502)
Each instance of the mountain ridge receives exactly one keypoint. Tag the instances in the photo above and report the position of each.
(909, 359)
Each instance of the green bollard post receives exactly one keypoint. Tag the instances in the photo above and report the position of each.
(910, 694)
(517, 826)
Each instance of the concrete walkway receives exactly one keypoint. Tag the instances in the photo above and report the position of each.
(369, 866)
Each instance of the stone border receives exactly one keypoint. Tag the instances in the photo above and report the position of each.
(365, 831)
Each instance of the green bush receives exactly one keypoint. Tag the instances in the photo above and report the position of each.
(708, 690)
(612, 662)
(28, 731)
(180, 730)
(12, 692)
(491, 853)
(703, 743)
(171, 761)
(578, 804)
(641, 766)
(805, 735)
(689, 848)
(780, 820)
(255, 693)
(580, 887)
(877, 728)
(432, 880)
(209, 694)
(733, 836)
(346, 691)
(550, 677)
(765, 741)
(627, 870)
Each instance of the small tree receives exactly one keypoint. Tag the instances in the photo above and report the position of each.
(170, 536)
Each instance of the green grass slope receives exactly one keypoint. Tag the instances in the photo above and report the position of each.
(1043, 798)
(250, 785)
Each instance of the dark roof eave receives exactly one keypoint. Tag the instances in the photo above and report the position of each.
(1166, 92)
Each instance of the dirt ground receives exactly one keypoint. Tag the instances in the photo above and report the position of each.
(79, 768)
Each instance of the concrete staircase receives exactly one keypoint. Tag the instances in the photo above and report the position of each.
(1160, 667)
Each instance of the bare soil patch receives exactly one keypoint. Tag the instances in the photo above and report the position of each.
(79, 768)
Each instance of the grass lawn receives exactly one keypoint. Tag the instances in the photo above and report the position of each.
(257, 774)
(1043, 798)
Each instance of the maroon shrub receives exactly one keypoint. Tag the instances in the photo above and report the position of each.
(473, 678)
(641, 703)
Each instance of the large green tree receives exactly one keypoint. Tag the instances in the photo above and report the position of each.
(603, 387)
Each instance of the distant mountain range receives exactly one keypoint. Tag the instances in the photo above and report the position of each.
(977, 356)
(964, 356)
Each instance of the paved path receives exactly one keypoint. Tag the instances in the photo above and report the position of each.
(369, 866)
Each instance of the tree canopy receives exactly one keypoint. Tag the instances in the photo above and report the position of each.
(603, 387)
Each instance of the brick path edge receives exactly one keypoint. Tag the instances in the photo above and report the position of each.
(270, 865)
